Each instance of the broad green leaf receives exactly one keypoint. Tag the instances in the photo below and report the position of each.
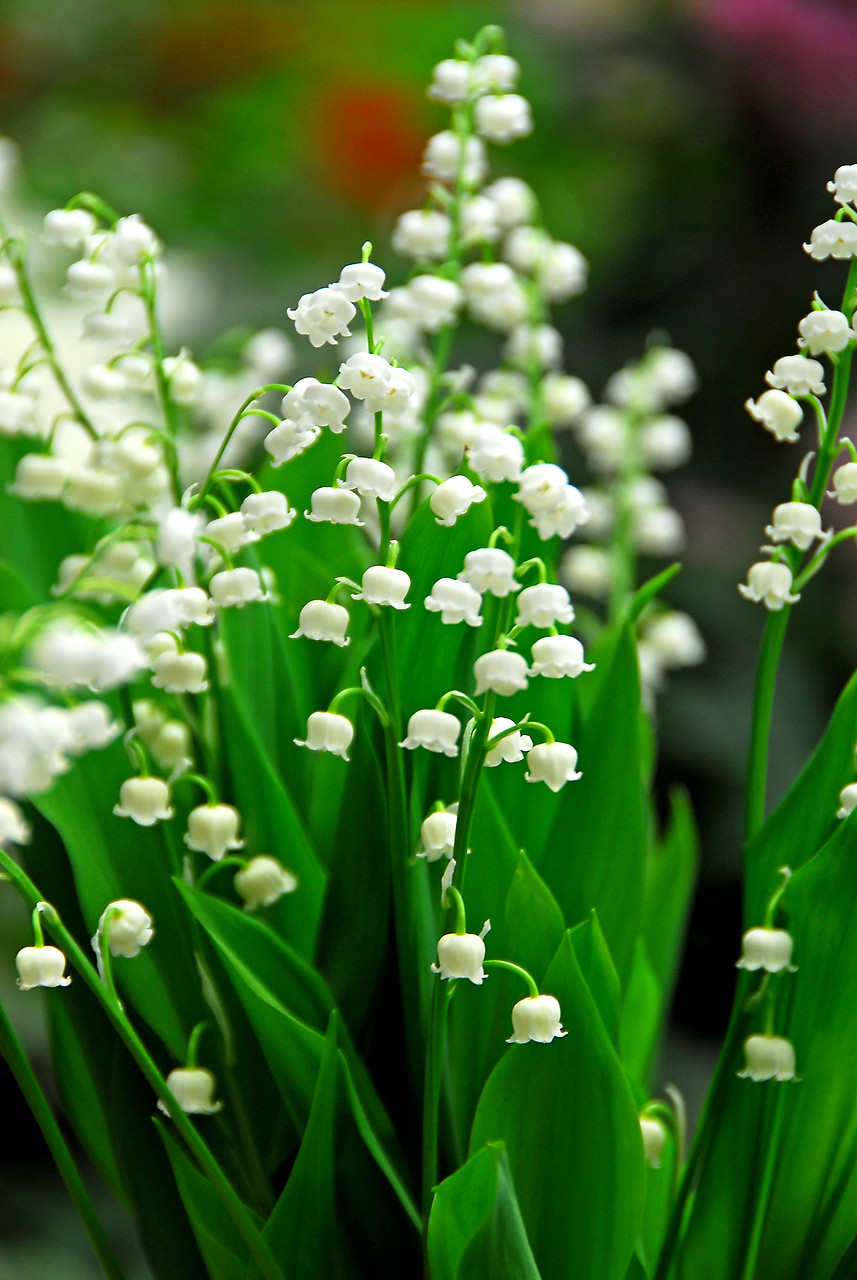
(567, 1118)
(114, 858)
(475, 1229)
(37, 534)
(534, 923)
(812, 1216)
(272, 825)
(659, 1195)
(640, 1021)
(636, 1270)
(595, 855)
(670, 875)
(219, 1240)
(806, 816)
(480, 1017)
(336, 1208)
(597, 967)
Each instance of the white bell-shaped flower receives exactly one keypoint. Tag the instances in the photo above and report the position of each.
(323, 620)
(769, 583)
(384, 587)
(768, 1058)
(323, 316)
(436, 302)
(361, 280)
(14, 829)
(496, 455)
(588, 571)
(186, 379)
(145, 800)
(797, 375)
(823, 332)
(768, 949)
(435, 730)
(213, 829)
(845, 484)
(490, 569)
(289, 440)
(539, 344)
(367, 377)
(536, 1018)
(67, 227)
(455, 601)
(503, 118)
(564, 399)
(453, 497)
(664, 443)
(658, 531)
(191, 605)
(127, 929)
(40, 476)
(675, 640)
(443, 159)
(233, 588)
(230, 532)
(460, 955)
(554, 763)
(311, 403)
(327, 731)
(193, 1089)
(180, 672)
(513, 199)
(267, 512)
(449, 82)
(832, 239)
(795, 522)
(87, 280)
(511, 748)
(335, 506)
(562, 273)
(654, 1134)
(544, 605)
(101, 382)
(41, 967)
(371, 479)
(562, 520)
(263, 882)
(541, 487)
(847, 800)
(557, 656)
(778, 413)
(496, 73)
(501, 670)
(437, 834)
(423, 235)
(92, 726)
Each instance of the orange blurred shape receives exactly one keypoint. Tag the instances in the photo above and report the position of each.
(216, 45)
(368, 143)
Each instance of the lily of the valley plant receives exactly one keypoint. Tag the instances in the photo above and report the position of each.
(331, 719)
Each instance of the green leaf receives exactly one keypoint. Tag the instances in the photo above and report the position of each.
(639, 1024)
(335, 1207)
(534, 923)
(812, 1216)
(670, 876)
(568, 1120)
(475, 1230)
(115, 858)
(806, 816)
(273, 825)
(595, 855)
(220, 1242)
(597, 967)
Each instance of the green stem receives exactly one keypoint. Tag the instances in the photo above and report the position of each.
(764, 1185)
(760, 727)
(435, 1051)
(532, 985)
(11, 1050)
(233, 1205)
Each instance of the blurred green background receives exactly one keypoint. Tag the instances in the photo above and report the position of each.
(683, 146)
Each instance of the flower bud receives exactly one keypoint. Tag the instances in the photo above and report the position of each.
(263, 881)
(847, 800)
(127, 929)
(654, 1136)
(460, 956)
(213, 829)
(536, 1018)
(40, 967)
(145, 800)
